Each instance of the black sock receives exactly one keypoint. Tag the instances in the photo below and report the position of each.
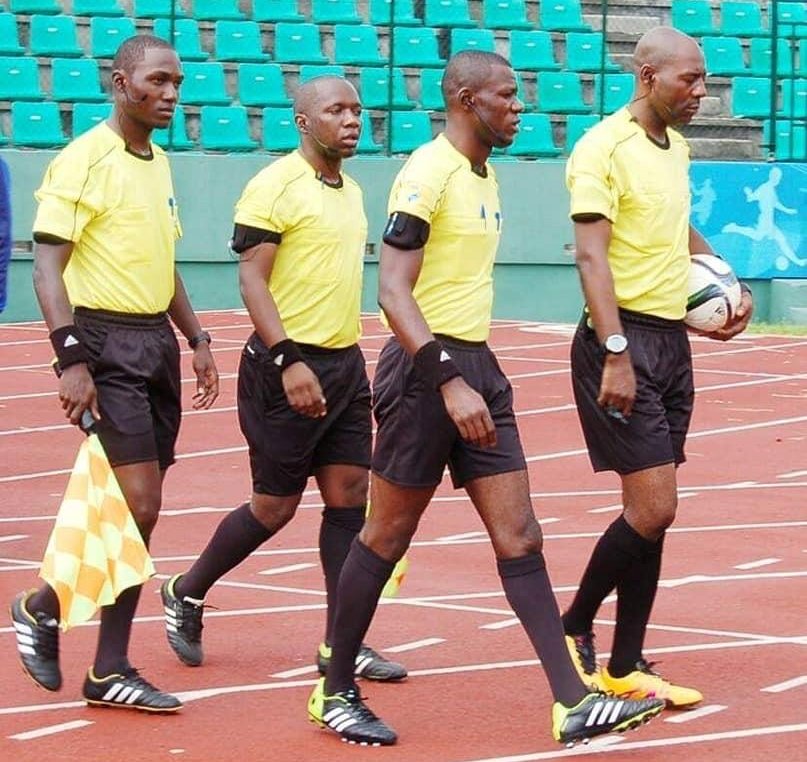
(336, 532)
(44, 600)
(618, 548)
(636, 592)
(363, 577)
(113, 636)
(529, 593)
(235, 538)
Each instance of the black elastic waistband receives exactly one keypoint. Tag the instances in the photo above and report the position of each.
(122, 318)
(456, 343)
(651, 321)
(307, 349)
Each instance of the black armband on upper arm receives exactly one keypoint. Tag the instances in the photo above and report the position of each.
(49, 238)
(246, 236)
(588, 217)
(405, 231)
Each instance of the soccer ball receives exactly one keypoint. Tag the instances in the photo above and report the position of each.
(714, 293)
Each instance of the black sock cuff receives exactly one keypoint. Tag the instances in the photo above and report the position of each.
(518, 567)
(351, 518)
(370, 561)
(630, 541)
(251, 526)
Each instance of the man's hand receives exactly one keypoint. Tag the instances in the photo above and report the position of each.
(618, 385)
(469, 412)
(303, 391)
(738, 323)
(207, 377)
(77, 393)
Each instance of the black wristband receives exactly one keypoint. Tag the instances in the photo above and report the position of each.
(745, 288)
(195, 341)
(285, 353)
(69, 348)
(434, 365)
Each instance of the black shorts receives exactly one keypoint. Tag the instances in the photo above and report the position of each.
(416, 438)
(657, 427)
(134, 362)
(284, 446)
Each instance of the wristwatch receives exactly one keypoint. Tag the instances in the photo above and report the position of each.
(198, 339)
(615, 344)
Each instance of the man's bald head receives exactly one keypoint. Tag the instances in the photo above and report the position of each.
(661, 45)
(469, 69)
(310, 94)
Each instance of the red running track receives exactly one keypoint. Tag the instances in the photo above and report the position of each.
(730, 617)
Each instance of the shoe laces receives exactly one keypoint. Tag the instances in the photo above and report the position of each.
(586, 651)
(359, 709)
(367, 651)
(132, 675)
(646, 668)
(47, 637)
(191, 614)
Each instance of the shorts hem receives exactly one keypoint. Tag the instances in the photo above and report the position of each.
(627, 471)
(508, 470)
(407, 485)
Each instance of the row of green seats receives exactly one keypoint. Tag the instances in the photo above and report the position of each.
(740, 18)
(751, 97)
(725, 56)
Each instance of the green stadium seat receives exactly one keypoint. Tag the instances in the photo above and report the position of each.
(312, 71)
(97, 8)
(367, 142)
(803, 58)
(238, 41)
(88, 115)
(204, 84)
(403, 10)
(225, 128)
(262, 84)
(335, 12)
(794, 99)
(154, 9)
(76, 80)
(792, 19)
(216, 10)
(505, 14)
(34, 6)
(356, 45)
(472, 39)
(618, 91)
(54, 36)
(561, 92)
(409, 130)
(298, 43)
(576, 126)
(9, 36)
(431, 95)
(791, 139)
(449, 13)
(584, 52)
(762, 58)
(38, 125)
(279, 131)
(187, 38)
(417, 47)
(693, 17)
(534, 137)
(19, 80)
(750, 96)
(374, 88)
(272, 11)
(724, 56)
(532, 51)
(521, 91)
(106, 35)
(742, 19)
(562, 16)
(175, 136)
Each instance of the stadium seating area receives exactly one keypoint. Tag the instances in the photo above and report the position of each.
(243, 59)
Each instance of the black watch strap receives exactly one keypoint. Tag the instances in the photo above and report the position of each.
(195, 341)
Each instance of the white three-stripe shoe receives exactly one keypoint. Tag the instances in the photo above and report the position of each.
(128, 691)
(599, 713)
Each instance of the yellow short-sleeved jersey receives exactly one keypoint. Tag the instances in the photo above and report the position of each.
(119, 211)
(454, 290)
(643, 189)
(316, 277)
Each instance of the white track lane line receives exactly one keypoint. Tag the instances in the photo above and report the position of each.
(50, 730)
(757, 564)
(787, 685)
(286, 569)
(695, 714)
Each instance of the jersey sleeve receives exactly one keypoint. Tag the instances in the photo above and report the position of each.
(416, 190)
(589, 181)
(261, 205)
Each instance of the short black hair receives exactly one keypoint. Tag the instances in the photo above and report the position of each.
(133, 50)
(469, 68)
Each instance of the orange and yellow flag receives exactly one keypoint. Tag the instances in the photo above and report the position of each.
(95, 550)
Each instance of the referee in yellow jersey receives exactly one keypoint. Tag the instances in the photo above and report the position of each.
(303, 392)
(107, 284)
(631, 367)
(441, 399)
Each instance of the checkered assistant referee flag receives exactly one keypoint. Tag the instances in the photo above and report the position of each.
(95, 550)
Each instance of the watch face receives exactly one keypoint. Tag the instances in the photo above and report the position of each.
(616, 343)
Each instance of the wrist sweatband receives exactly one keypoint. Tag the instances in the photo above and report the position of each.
(434, 365)
(285, 353)
(68, 346)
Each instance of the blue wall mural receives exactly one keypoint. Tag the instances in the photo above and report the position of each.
(753, 215)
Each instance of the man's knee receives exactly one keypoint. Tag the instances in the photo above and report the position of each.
(517, 538)
(274, 511)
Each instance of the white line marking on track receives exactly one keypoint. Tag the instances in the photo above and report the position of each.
(12, 537)
(792, 475)
(757, 564)
(50, 730)
(414, 645)
(462, 536)
(696, 578)
(296, 672)
(695, 714)
(500, 625)
(796, 682)
(286, 569)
